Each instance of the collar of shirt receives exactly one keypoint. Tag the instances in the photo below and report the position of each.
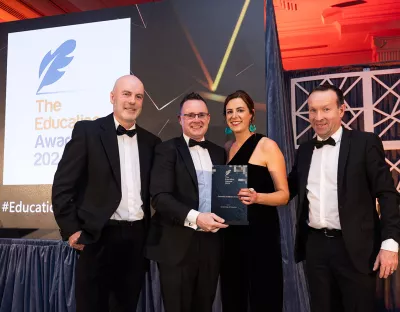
(337, 136)
(187, 139)
(117, 124)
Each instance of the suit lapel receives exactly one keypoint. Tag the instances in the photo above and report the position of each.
(305, 164)
(143, 158)
(343, 153)
(187, 158)
(214, 156)
(110, 144)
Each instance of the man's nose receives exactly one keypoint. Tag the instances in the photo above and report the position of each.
(319, 115)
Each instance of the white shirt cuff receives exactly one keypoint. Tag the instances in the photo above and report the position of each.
(191, 219)
(390, 245)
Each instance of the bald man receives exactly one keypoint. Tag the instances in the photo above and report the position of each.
(101, 201)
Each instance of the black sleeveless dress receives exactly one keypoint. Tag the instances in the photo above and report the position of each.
(251, 271)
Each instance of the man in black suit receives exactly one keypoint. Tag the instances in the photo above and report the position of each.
(101, 201)
(338, 176)
(183, 236)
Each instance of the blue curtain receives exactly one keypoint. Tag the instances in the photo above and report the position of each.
(36, 276)
(279, 129)
(39, 276)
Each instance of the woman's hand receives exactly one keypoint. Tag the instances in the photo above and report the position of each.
(248, 196)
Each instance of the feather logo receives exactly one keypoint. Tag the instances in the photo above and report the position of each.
(54, 62)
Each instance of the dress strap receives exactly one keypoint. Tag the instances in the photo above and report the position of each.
(246, 150)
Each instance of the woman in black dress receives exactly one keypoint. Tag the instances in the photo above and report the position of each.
(251, 272)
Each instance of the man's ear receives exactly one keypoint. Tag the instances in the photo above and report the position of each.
(342, 109)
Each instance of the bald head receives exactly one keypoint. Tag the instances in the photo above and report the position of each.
(127, 99)
(127, 79)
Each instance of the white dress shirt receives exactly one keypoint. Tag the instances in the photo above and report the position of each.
(322, 192)
(130, 207)
(202, 163)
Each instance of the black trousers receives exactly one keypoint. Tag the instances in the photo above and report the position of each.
(191, 285)
(110, 273)
(335, 284)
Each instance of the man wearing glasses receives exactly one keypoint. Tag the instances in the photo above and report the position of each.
(183, 237)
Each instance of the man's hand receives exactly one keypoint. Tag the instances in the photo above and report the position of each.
(73, 239)
(387, 261)
(210, 222)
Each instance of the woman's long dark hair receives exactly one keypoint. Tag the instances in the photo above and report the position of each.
(245, 97)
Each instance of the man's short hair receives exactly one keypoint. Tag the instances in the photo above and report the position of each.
(191, 96)
(326, 87)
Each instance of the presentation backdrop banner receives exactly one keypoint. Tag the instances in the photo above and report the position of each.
(57, 70)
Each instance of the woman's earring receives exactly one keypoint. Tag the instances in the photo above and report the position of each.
(252, 128)
(228, 130)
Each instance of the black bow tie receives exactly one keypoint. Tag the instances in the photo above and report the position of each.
(319, 144)
(203, 144)
(121, 131)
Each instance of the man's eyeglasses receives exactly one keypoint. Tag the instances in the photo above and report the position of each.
(193, 115)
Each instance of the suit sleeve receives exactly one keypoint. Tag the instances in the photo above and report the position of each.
(225, 157)
(66, 179)
(162, 184)
(382, 186)
(293, 178)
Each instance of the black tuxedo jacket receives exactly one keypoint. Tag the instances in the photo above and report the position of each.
(87, 184)
(174, 191)
(363, 176)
